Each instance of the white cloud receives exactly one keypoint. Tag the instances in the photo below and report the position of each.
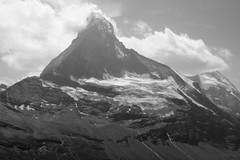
(32, 32)
(182, 53)
(223, 52)
(112, 8)
(141, 28)
(7, 81)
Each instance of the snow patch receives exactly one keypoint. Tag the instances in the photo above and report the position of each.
(82, 113)
(30, 108)
(79, 93)
(120, 53)
(22, 107)
(76, 105)
(216, 98)
(208, 82)
(34, 116)
(166, 115)
(215, 80)
(235, 96)
(72, 92)
(155, 74)
(48, 84)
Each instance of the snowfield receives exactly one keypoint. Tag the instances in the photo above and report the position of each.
(139, 90)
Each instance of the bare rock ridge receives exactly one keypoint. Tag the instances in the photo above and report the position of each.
(30, 91)
(96, 52)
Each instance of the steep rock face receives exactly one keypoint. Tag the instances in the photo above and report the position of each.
(220, 91)
(96, 52)
(32, 91)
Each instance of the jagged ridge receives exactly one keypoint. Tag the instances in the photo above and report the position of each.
(97, 52)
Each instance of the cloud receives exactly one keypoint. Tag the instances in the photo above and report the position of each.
(223, 52)
(111, 8)
(141, 28)
(7, 81)
(182, 53)
(32, 32)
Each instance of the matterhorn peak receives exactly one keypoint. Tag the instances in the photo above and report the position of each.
(97, 52)
(101, 22)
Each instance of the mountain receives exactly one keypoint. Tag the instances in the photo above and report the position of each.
(220, 91)
(99, 100)
(96, 52)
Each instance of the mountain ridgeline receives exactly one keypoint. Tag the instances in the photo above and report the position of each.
(96, 52)
(99, 100)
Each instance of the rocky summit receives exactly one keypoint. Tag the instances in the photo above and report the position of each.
(97, 53)
(99, 100)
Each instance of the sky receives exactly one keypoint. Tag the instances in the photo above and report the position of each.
(191, 36)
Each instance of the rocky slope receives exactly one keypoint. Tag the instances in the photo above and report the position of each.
(100, 100)
(3, 87)
(220, 91)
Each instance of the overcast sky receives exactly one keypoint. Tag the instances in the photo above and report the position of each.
(191, 36)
